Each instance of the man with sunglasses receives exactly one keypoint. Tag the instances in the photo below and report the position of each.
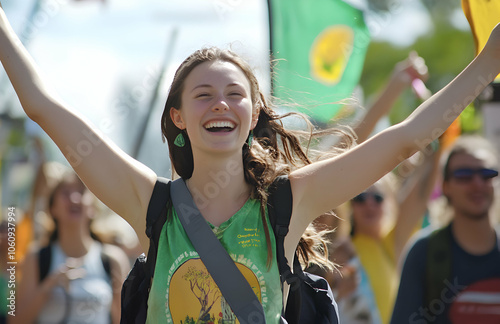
(452, 275)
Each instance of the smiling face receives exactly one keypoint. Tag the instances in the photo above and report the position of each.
(181, 156)
(470, 197)
(367, 211)
(216, 108)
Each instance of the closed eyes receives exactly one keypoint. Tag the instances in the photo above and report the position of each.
(231, 94)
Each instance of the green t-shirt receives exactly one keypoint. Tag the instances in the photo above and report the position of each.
(184, 292)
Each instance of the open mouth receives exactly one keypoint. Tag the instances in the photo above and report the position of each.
(75, 210)
(219, 126)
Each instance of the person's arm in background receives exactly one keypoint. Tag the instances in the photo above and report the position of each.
(119, 181)
(413, 195)
(404, 73)
(120, 267)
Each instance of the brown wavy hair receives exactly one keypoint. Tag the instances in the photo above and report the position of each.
(274, 151)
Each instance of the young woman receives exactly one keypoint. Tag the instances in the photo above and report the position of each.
(81, 279)
(215, 103)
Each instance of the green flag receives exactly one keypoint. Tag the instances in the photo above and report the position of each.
(320, 47)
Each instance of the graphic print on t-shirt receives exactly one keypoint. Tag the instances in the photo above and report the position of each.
(478, 303)
(181, 291)
(202, 301)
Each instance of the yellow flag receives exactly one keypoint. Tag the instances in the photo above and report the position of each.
(482, 15)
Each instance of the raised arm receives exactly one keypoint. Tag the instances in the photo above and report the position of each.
(120, 182)
(413, 197)
(324, 185)
(403, 75)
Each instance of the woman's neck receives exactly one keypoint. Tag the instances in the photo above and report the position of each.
(219, 189)
(476, 236)
(219, 178)
(75, 242)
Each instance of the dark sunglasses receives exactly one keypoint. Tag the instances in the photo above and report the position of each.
(466, 174)
(362, 197)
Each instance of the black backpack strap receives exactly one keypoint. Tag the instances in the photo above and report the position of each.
(439, 263)
(44, 258)
(279, 206)
(156, 217)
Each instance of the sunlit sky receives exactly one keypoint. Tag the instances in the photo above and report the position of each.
(90, 49)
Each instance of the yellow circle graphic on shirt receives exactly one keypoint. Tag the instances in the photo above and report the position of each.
(195, 298)
(330, 53)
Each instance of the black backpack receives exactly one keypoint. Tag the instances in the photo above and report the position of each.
(310, 299)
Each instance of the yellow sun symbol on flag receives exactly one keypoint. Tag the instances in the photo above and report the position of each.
(330, 53)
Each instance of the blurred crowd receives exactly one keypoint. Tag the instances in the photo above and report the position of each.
(73, 253)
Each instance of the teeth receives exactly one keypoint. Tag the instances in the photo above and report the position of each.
(219, 124)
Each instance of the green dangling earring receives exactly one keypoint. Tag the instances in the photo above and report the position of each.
(179, 140)
(250, 138)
